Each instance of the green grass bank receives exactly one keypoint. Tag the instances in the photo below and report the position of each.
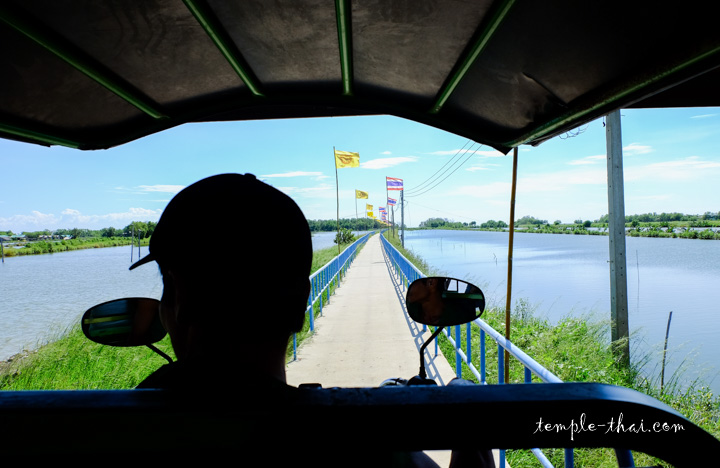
(46, 247)
(71, 362)
(576, 349)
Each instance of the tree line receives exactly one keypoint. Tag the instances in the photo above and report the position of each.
(141, 229)
(704, 220)
(352, 224)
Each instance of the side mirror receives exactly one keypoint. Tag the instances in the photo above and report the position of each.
(444, 301)
(133, 321)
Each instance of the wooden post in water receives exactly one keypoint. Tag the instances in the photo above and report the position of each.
(2, 251)
(620, 333)
(508, 296)
(662, 373)
(132, 243)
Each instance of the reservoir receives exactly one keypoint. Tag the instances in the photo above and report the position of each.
(560, 275)
(41, 295)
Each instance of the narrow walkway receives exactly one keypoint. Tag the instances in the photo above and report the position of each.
(364, 335)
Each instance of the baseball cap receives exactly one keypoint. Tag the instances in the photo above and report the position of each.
(242, 215)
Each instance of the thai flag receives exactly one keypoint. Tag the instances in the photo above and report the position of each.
(391, 201)
(394, 184)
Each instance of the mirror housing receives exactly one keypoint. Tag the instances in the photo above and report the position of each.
(444, 301)
(133, 321)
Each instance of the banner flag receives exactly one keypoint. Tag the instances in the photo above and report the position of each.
(371, 215)
(368, 207)
(346, 159)
(393, 183)
(360, 194)
(392, 201)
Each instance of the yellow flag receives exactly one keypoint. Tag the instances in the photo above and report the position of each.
(371, 214)
(360, 194)
(368, 207)
(346, 159)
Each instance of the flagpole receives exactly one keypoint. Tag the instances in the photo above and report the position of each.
(337, 193)
(386, 197)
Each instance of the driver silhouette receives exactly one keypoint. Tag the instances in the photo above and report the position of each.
(230, 304)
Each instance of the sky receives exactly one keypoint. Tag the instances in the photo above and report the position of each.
(671, 164)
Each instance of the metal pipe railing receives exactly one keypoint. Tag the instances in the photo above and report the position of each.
(407, 273)
(324, 281)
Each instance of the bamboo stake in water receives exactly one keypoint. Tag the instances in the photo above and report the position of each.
(508, 296)
(662, 372)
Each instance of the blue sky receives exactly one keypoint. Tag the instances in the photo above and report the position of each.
(671, 161)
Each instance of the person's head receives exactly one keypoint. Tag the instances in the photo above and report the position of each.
(235, 255)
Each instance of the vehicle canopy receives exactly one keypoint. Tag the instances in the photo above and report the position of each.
(97, 74)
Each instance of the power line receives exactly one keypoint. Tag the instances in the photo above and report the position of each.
(429, 179)
(461, 164)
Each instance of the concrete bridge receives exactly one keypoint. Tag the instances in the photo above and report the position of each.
(365, 335)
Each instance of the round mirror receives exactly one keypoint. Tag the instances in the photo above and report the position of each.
(133, 321)
(444, 301)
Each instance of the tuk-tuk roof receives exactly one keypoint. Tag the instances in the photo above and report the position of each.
(100, 73)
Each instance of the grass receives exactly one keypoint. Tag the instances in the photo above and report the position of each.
(45, 247)
(576, 349)
(72, 362)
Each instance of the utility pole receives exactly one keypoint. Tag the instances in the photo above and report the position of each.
(402, 218)
(620, 333)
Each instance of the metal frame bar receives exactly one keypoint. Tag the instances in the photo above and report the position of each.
(466, 61)
(77, 58)
(212, 26)
(689, 68)
(37, 136)
(344, 27)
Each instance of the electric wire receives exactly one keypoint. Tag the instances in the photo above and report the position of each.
(443, 180)
(430, 179)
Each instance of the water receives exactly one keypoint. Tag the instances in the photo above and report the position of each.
(323, 240)
(41, 295)
(559, 274)
(569, 275)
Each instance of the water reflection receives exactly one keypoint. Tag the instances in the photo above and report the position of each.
(43, 294)
(569, 274)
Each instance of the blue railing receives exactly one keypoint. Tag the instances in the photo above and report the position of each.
(407, 273)
(325, 280)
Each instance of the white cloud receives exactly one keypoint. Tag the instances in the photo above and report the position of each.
(35, 221)
(493, 190)
(294, 174)
(486, 153)
(74, 218)
(383, 163)
(386, 152)
(703, 116)
(321, 191)
(691, 168)
(635, 148)
(161, 188)
(588, 160)
(71, 218)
